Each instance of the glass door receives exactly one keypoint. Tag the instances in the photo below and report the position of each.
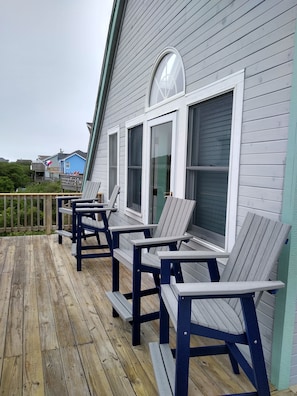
(160, 166)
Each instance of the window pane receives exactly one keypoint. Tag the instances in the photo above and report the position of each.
(208, 165)
(134, 168)
(168, 79)
(210, 192)
(113, 149)
(113, 161)
(211, 131)
(135, 146)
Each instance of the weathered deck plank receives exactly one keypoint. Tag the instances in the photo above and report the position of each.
(58, 337)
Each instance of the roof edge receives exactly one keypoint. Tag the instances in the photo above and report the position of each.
(114, 30)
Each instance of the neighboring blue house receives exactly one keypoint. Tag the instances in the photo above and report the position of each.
(73, 163)
(62, 163)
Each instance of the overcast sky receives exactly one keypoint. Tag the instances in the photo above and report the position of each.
(50, 59)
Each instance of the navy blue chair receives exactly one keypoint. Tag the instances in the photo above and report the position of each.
(93, 220)
(66, 205)
(224, 309)
(140, 256)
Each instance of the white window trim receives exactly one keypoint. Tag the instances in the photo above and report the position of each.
(139, 216)
(166, 51)
(181, 104)
(171, 117)
(234, 82)
(112, 131)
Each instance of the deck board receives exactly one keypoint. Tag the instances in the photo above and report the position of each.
(58, 336)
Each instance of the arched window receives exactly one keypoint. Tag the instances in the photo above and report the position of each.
(168, 77)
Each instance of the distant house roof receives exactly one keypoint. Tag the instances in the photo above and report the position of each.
(38, 167)
(59, 156)
(77, 152)
(42, 157)
(24, 161)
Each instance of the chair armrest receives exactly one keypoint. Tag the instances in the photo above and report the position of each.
(67, 197)
(222, 289)
(82, 200)
(194, 256)
(95, 210)
(92, 204)
(149, 242)
(191, 255)
(132, 228)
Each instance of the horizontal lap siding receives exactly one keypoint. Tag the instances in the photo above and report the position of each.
(215, 39)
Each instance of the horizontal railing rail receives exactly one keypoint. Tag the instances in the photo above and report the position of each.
(27, 212)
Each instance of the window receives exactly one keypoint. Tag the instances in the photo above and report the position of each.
(207, 172)
(112, 160)
(168, 77)
(134, 168)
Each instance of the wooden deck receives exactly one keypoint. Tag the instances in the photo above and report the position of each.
(58, 337)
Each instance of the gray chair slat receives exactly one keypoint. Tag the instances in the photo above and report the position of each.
(88, 221)
(216, 313)
(230, 271)
(174, 219)
(250, 249)
(164, 367)
(255, 252)
(91, 189)
(255, 255)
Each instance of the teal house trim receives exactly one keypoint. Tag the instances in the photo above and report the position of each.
(106, 71)
(285, 310)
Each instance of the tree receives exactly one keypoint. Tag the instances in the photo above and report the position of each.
(6, 185)
(19, 174)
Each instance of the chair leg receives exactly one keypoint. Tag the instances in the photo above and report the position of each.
(79, 235)
(136, 297)
(115, 280)
(233, 361)
(255, 345)
(98, 238)
(164, 316)
(74, 224)
(60, 224)
(164, 323)
(182, 347)
(109, 240)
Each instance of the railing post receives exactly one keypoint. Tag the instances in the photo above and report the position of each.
(48, 214)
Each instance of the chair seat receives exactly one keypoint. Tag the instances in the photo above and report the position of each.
(89, 222)
(125, 256)
(216, 314)
(65, 210)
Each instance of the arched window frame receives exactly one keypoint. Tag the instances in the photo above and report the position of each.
(169, 50)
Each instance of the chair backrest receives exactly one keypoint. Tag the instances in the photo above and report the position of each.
(113, 198)
(175, 218)
(256, 250)
(90, 190)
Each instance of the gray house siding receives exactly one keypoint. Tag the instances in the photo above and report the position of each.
(214, 39)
